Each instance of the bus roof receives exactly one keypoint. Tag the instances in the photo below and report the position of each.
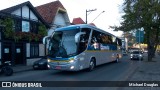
(83, 26)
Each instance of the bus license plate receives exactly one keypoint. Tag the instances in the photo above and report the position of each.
(58, 67)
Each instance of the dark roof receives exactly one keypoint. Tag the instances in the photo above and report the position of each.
(48, 11)
(78, 21)
(13, 8)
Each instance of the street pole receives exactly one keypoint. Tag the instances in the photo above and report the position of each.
(87, 12)
(86, 16)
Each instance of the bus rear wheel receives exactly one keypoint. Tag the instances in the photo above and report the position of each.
(91, 65)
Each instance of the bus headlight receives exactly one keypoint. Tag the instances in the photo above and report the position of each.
(49, 60)
(71, 61)
(48, 66)
(72, 67)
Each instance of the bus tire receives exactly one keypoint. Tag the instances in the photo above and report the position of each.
(117, 60)
(91, 65)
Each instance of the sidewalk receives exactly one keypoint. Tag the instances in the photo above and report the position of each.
(147, 71)
(21, 68)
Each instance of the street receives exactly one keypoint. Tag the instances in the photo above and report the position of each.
(108, 72)
(40, 35)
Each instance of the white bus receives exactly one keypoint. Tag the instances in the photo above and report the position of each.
(83, 46)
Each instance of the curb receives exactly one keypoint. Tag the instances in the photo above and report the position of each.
(18, 69)
(129, 76)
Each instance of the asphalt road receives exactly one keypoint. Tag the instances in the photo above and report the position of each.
(108, 72)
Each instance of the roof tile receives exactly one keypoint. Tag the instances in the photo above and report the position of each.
(48, 11)
(78, 21)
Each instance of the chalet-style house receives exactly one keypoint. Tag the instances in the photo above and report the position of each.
(21, 31)
(54, 14)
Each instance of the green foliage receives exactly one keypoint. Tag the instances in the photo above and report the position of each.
(42, 30)
(27, 36)
(142, 14)
(11, 34)
(8, 32)
(1, 22)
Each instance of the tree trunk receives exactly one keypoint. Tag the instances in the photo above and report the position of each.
(155, 40)
(149, 52)
(148, 43)
(152, 41)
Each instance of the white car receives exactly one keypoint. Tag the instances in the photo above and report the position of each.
(136, 55)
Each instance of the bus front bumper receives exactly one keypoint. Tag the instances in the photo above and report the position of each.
(67, 67)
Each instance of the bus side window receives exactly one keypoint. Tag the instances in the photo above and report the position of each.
(84, 39)
(95, 41)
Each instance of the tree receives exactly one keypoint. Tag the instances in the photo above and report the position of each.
(130, 37)
(42, 30)
(142, 14)
(8, 32)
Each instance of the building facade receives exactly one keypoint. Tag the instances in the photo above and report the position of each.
(21, 31)
(54, 14)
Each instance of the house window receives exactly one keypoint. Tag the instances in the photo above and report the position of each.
(34, 27)
(17, 25)
(34, 52)
(25, 26)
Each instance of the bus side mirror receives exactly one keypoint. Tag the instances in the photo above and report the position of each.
(77, 36)
(45, 39)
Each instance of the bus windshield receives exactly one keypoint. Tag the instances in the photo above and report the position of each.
(62, 44)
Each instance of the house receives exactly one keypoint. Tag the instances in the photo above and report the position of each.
(80, 21)
(21, 34)
(54, 14)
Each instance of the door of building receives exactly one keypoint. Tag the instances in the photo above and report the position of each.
(19, 53)
(7, 52)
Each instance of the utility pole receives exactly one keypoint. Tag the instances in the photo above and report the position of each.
(89, 11)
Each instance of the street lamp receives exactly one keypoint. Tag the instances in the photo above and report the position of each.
(98, 15)
(90, 12)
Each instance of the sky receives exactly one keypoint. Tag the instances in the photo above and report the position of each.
(77, 8)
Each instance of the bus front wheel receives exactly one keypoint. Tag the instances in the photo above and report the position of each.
(117, 60)
(91, 65)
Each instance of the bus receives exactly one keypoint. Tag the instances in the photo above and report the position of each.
(83, 46)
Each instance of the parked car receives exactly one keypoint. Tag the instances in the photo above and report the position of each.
(145, 50)
(40, 64)
(124, 53)
(133, 49)
(136, 55)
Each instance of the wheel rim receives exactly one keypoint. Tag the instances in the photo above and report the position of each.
(91, 65)
(117, 60)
